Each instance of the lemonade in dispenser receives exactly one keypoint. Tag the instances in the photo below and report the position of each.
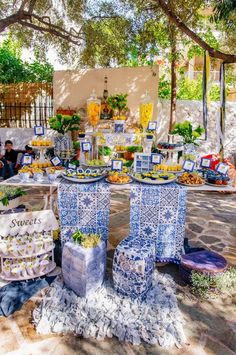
(145, 111)
(93, 109)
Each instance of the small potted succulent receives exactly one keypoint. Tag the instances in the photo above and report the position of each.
(129, 154)
(105, 153)
(118, 103)
(9, 197)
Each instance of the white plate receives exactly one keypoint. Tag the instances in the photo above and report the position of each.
(119, 183)
(75, 179)
(193, 185)
(208, 183)
(153, 182)
(171, 172)
(98, 166)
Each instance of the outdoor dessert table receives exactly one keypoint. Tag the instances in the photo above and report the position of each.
(15, 181)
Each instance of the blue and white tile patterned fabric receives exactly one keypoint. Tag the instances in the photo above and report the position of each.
(133, 266)
(158, 213)
(85, 207)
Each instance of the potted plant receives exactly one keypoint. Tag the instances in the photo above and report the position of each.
(64, 124)
(9, 197)
(189, 135)
(186, 131)
(129, 154)
(105, 153)
(84, 263)
(118, 102)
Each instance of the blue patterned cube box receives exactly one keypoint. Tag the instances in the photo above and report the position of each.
(133, 266)
(83, 269)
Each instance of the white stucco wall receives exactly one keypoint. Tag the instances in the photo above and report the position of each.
(71, 88)
(186, 110)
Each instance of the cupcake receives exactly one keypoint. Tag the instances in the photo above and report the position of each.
(22, 250)
(44, 265)
(24, 270)
(30, 248)
(16, 271)
(3, 247)
(29, 268)
(7, 271)
(48, 242)
(35, 266)
(38, 246)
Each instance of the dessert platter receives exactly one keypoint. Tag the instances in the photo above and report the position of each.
(190, 179)
(154, 178)
(118, 178)
(170, 168)
(35, 174)
(96, 163)
(215, 179)
(84, 176)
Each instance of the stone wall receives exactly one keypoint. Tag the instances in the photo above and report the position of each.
(192, 111)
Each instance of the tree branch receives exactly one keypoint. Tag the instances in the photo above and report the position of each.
(25, 18)
(31, 6)
(22, 6)
(52, 30)
(228, 58)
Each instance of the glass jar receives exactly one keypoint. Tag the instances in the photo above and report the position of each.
(145, 111)
(93, 109)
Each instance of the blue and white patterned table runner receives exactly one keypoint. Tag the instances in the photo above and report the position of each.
(85, 207)
(158, 213)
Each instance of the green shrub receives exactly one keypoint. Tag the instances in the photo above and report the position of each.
(205, 286)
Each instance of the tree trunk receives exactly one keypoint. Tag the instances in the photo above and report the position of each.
(173, 89)
(228, 58)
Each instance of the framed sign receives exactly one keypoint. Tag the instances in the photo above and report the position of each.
(116, 165)
(205, 163)
(86, 146)
(27, 159)
(222, 168)
(156, 158)
(38, 130)
(189, 165)
(152, 126)
(56, 161)
(27, 222)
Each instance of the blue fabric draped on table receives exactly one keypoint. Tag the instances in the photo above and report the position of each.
(158, 213)
(85, 207)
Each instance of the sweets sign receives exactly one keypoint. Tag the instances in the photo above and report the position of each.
(27, 222)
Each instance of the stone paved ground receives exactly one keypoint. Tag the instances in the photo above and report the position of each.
(210, 325)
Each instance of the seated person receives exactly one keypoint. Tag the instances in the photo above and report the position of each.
(29, 151)
(8, 160)
(1, 166)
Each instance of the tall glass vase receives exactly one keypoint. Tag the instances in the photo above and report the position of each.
(190, 151)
